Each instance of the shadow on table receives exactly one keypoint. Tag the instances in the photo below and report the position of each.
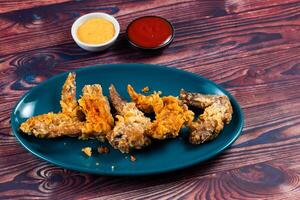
(125, 52)
(200, 169)
(127, 183)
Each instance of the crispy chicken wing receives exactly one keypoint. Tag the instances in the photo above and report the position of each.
(131, 125)
(95, 106)
(52, 125)
(171, 114)
(146, 104)
(217, 111)
(171, 118)
(68, 102)
(64, 123)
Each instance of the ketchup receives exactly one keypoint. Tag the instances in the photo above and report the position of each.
(150, 32)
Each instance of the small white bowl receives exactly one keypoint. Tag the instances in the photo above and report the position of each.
(95, 47)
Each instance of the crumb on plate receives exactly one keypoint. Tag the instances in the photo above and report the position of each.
(103, 149)
(132, 158)
(97, 163)
(87, 151)
(112, 168)
(145, 89)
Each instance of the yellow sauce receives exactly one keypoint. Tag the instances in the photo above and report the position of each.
(96, 31)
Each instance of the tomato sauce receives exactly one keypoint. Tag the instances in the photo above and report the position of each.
(150, 32)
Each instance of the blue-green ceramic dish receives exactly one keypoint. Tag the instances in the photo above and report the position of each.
(161, 156)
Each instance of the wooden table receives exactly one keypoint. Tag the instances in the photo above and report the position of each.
(250, 47)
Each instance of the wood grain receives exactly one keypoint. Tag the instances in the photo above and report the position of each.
(237, 6)
(13, 5)
(251, 48)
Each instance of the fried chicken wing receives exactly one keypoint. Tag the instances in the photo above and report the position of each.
(52, 125)
(131, 125)
(95, 106)
(68, 102)
(171, 114)
(170, 119)
(217, 111)
(64, 123)
(116, 99)
(147, 104)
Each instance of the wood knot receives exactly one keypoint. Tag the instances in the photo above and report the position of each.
(263, 178)
(262, 174)
(255, 72)
(232, 6)
(294, 70)
(55, 178)
(32, 69)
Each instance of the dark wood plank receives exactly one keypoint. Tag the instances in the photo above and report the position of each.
(13, 5)
(237, 6)
(258, 181)
(51, 30)
(249, 47)
(211, 39)
(266, 137)
(41, 180)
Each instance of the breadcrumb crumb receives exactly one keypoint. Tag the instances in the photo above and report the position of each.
(145, 89)
(132, 158)
(87, 151)
(103, 150)
(97, 163)
(112, 168)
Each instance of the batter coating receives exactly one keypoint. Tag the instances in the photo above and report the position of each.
(171, 114)
(217, 111)
(131, 125)
(65, 123)
(95, 106)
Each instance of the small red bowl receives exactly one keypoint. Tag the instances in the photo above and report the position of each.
(150, 33)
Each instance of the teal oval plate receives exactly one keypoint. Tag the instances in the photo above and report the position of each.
(161, 156)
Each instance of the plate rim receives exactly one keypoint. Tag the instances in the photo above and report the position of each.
(128, 172)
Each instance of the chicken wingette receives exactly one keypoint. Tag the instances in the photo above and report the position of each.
(68, 102)
(64, 123)
(88, 118)
(98, 118)
(130, 131)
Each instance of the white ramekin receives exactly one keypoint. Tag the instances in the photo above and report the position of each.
(95, 47)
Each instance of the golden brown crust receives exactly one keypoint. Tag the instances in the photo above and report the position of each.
(170, 113)
(132, 129)
(170, 119)
(68, 102)
(98, 119)
(87, 151)
(52, 125)
(145, 89)
(95, 106)
(217, 111)
(146, 104)
(131, 125)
